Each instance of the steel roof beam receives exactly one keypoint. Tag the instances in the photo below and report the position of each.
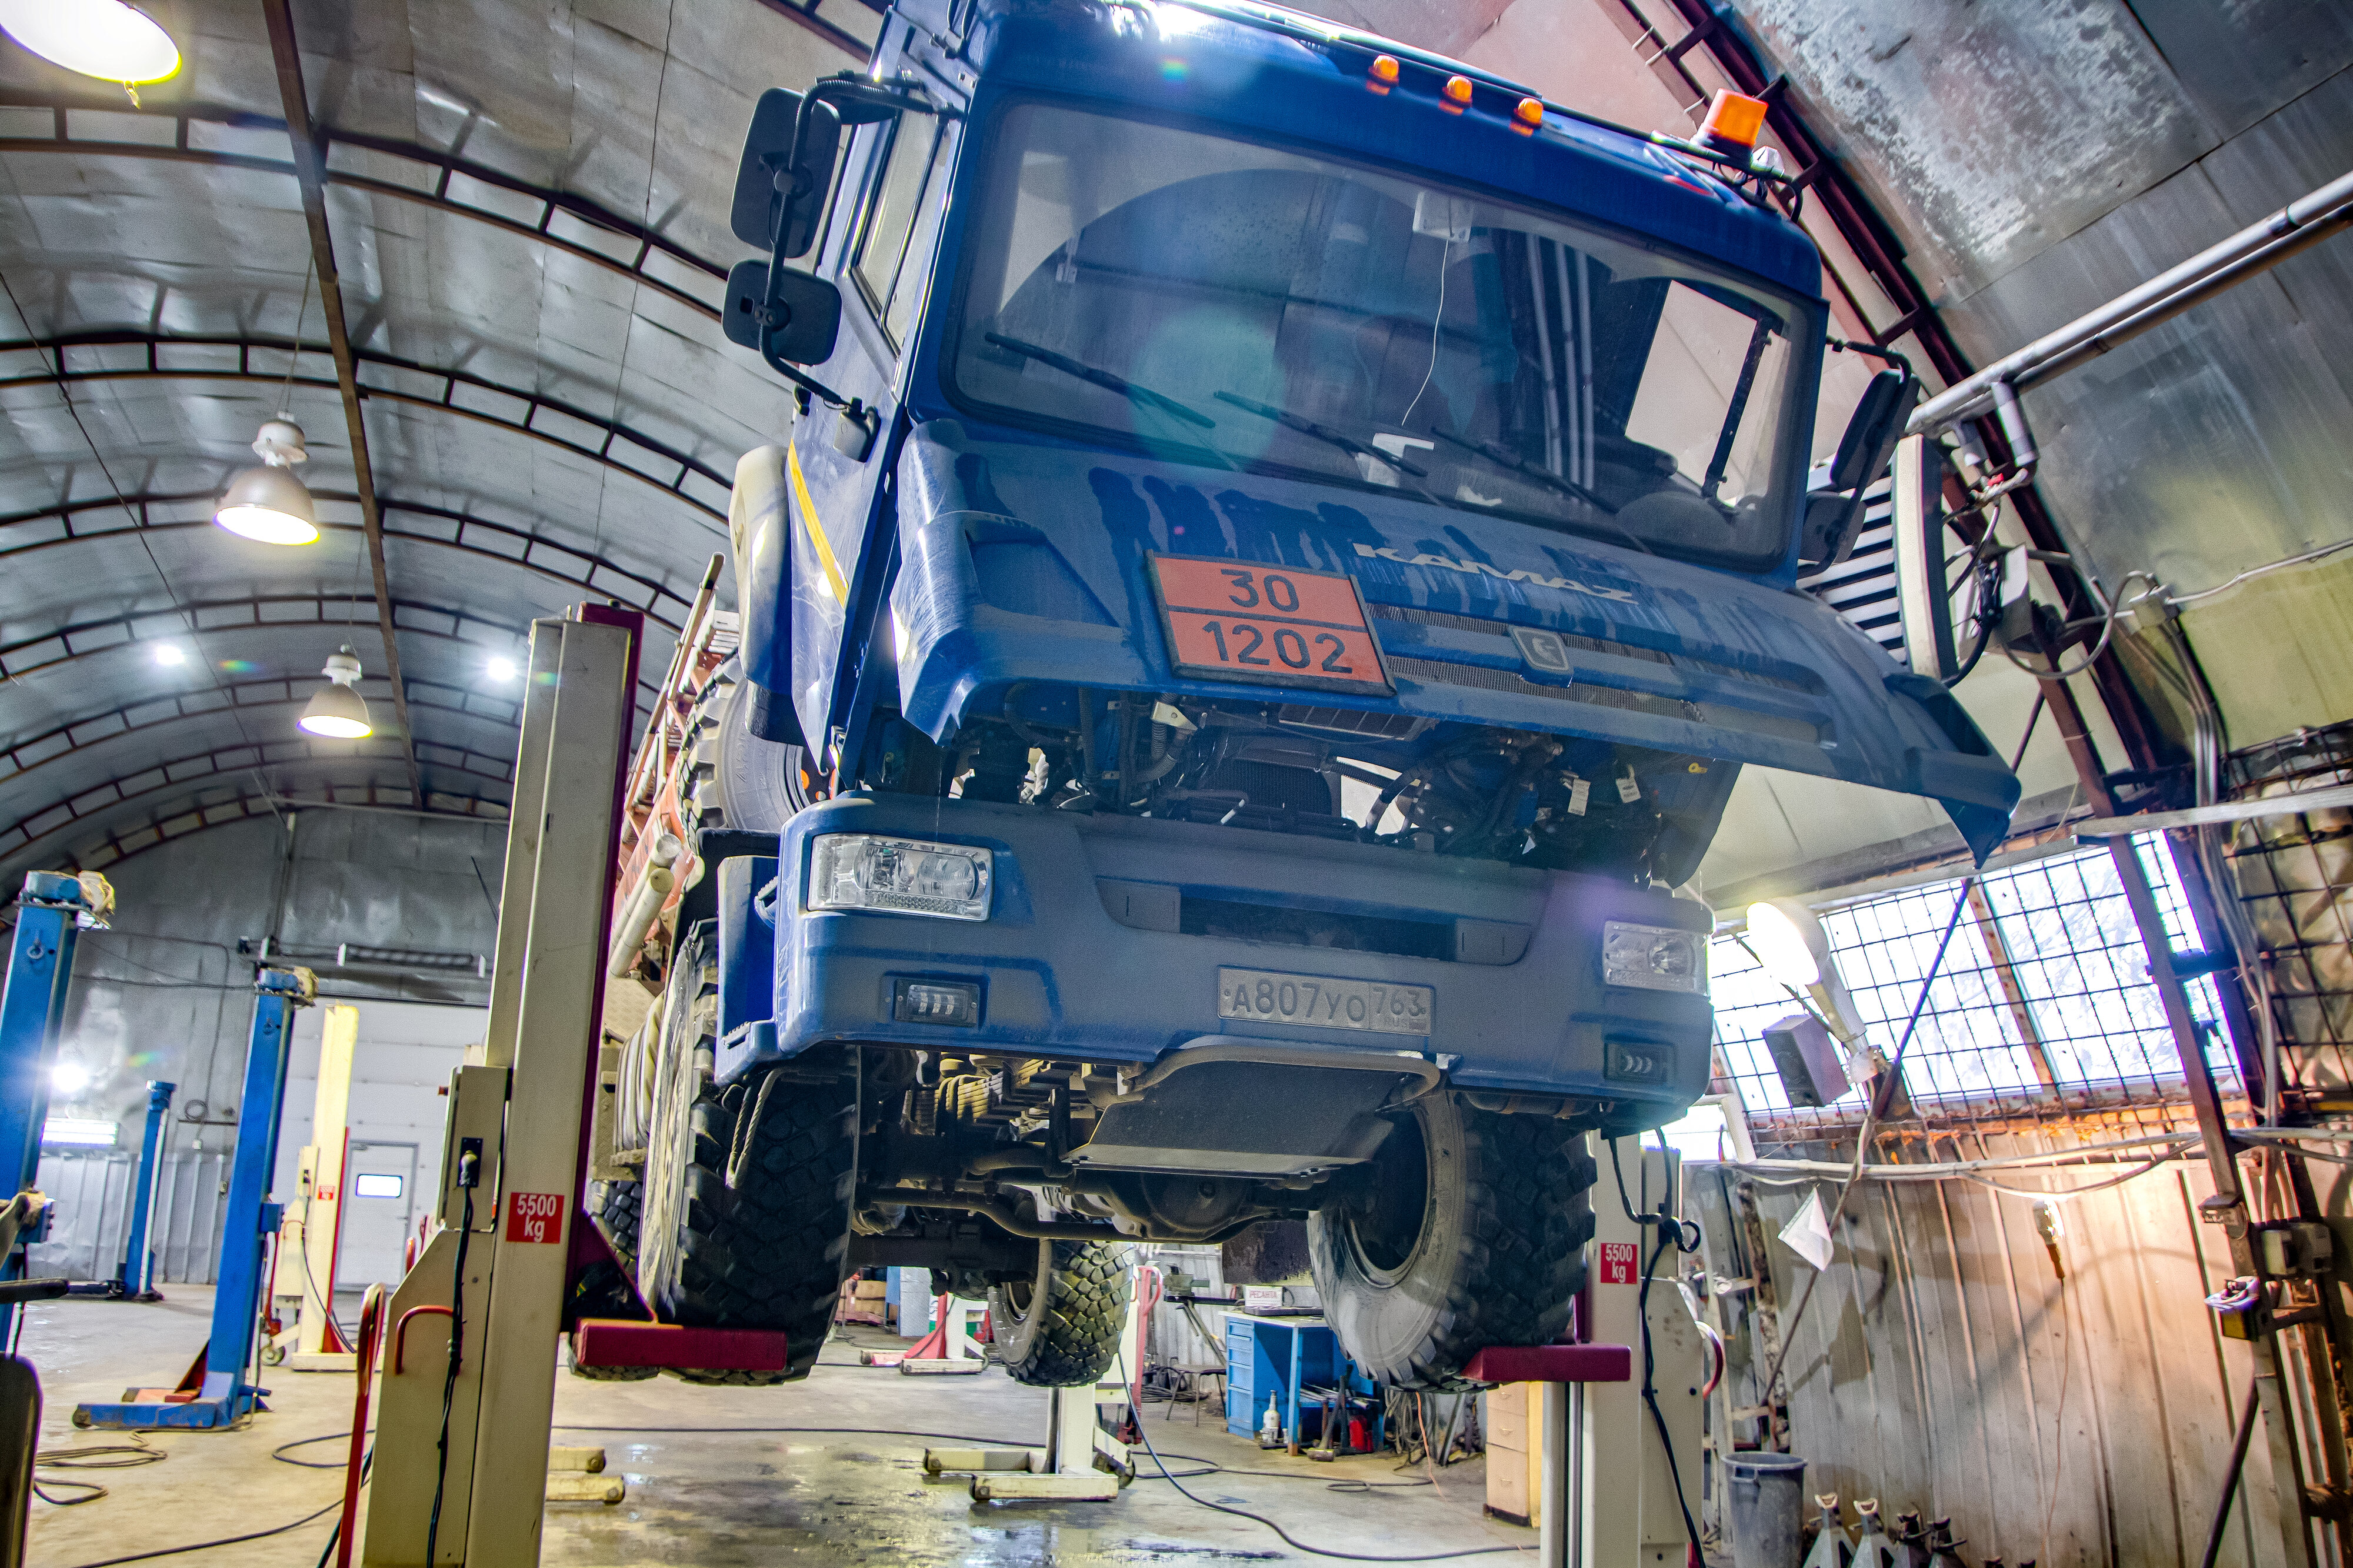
(805, 12)
(93, 731)
(440, 170)
(91, 639)
(121, 844)
(649, 597)
(454, 384)
(310, 169)
(178, 772)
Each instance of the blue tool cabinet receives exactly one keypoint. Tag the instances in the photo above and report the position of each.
(1277, 1358)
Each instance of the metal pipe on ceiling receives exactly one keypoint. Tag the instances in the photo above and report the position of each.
(2300, 224)
(310, 170)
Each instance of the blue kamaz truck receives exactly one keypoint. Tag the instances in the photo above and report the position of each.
(1287, 543)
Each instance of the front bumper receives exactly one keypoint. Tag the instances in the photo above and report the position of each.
(1076, 960)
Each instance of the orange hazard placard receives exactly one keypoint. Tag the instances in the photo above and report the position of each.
(1240, 620)
(534, 1216)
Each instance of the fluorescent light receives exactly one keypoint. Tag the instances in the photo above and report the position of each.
(69, 1077)
(500, 669)
(75, 1132)
(103, 39)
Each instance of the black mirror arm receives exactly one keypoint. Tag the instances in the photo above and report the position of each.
(807, 383)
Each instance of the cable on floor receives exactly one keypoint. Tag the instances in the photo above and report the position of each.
(91, 1457)
(208, 1545)
(280, 1455)
(1294, 1541)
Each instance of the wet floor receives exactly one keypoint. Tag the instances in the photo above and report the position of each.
(725, 1477)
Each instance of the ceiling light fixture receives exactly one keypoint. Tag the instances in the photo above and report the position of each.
(170, 655)
(500, 669)
(268, 503)
(338, 713)
(104, 39)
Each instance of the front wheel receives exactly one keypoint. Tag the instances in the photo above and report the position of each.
(1468, 1230)
(1059, 1329)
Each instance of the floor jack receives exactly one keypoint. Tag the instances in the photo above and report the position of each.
(308, 1239)
(216, 1393)
(1082, 1461)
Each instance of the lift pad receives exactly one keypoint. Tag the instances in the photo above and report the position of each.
(622, 1341)
(1552, 1363)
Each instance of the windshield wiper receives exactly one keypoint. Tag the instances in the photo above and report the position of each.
(1102, 378)
(1324, 433)
(1501, 458)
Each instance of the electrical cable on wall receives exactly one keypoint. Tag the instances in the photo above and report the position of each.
(1671, 1229)
(470, 1175)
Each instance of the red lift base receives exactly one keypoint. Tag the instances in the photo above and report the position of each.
(1552, 1363)
(619, 1341)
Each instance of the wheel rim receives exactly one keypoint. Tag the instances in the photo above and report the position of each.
(1386, 1234)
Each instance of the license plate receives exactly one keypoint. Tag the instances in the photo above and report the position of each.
(1370, 1006)
(1229, 620)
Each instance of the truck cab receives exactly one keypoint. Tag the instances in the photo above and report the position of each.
(1287, 545)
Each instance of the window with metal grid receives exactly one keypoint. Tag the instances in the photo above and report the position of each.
(2043, 1007)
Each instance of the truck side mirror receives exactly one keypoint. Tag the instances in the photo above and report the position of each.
(763, 183)
(1922, 593)
(1834, 509)
(798, 326)
(1871, 433)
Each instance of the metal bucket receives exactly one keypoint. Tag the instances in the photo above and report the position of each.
(1768, 1508)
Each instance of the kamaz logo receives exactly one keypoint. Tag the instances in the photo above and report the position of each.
(1480, 568)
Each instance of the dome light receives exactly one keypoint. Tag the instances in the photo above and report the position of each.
(337, 712)
(268, 503)
(104, 39)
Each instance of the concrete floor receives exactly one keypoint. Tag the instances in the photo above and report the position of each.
(702, 1494)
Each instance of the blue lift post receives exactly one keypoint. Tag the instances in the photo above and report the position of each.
(136, 1280)
(224, 1397)
(50, 914)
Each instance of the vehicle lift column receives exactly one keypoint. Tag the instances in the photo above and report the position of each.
(494, 1289)
(307, 1241)
(50, 914)
(136, 1279)
(222, 1397)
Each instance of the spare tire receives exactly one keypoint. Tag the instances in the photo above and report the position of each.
(1468, 1230)
(756, 783)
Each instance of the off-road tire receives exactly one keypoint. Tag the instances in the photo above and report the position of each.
(620, 1207)
(603, 1291)
(766, 1249)
(1497, 1257)
(1061, 1329)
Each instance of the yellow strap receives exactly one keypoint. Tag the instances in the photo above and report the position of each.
(833, 578)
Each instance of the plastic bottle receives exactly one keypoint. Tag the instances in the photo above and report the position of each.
(1269, 1431)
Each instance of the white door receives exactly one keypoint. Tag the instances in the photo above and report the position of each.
(379, 1213)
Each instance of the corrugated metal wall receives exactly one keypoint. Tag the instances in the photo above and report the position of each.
(1944, 1368)
(92, 1190)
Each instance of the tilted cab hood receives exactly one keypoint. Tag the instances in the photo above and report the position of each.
(1024, 560)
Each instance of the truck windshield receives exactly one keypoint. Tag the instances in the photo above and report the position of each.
(1252, 308)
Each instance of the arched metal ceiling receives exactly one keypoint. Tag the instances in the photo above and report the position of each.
(526, 210)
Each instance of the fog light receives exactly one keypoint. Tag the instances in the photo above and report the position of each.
(1654, 958)
(955, 1003)
(908, 876)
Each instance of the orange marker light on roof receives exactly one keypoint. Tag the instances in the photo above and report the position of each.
(1526, 115)
(1732, 121)
(1382, 74)
(1457, 94)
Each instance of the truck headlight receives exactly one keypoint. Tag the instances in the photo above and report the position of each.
(1654, 958)
(863, 871)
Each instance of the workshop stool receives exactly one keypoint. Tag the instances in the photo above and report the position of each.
(1189, 1385)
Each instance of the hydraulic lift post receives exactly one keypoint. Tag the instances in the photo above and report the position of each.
(308, 1239)
(224, 1396)
(50, 914)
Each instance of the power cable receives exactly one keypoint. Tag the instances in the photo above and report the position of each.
(468, 1171)
(210, 1546)
(1671, 1235)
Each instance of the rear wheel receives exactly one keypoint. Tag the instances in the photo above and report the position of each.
(1468, 1230)
(763, 1229)
(1059, 1329)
